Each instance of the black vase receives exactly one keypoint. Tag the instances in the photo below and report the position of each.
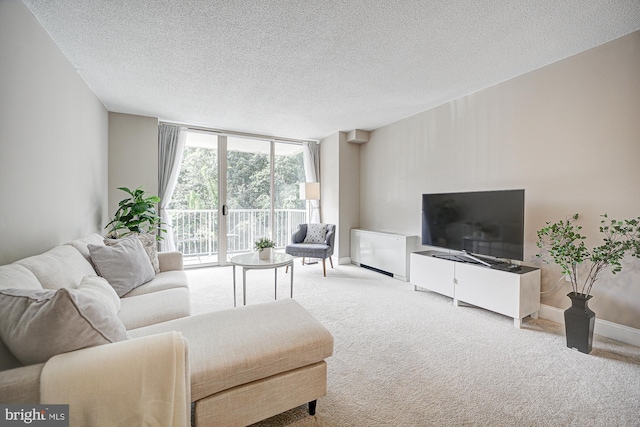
(579, 320)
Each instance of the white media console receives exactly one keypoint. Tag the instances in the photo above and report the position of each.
(511, 292)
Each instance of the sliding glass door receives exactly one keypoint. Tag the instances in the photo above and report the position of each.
(232, 190)
(248, 182)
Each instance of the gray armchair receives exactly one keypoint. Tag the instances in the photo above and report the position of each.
(312, 250)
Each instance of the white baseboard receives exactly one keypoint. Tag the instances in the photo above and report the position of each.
(605, 328)
(344, 260)
(551, 313)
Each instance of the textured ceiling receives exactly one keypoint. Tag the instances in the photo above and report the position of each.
(307, 69)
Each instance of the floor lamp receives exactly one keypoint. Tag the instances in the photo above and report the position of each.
(309, 191)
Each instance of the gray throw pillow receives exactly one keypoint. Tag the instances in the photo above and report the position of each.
(38, 324)
(148, 241)
(125, 265)
(316, 233)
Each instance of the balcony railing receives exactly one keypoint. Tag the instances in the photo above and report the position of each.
(196, 231)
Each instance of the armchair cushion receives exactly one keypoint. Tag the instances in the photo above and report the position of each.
(309, 250)
(39, 324)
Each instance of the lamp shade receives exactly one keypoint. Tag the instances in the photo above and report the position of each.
(310, 190)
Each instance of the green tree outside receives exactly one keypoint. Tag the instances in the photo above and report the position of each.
(248, 181)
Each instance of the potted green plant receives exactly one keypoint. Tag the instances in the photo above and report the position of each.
(564, 244)
(136, 214)
(264, 245)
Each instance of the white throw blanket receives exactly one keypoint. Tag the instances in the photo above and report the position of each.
(138, 382)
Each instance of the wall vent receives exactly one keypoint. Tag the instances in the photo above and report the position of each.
(358, 136)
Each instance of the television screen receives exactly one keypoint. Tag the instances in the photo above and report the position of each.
(487, 223)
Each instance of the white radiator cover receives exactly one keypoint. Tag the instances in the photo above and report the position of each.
(388, 252)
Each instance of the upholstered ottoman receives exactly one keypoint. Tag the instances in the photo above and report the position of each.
(250, 363)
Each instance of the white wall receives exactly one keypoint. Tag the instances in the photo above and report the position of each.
(53, 142)
(569, 134)
(133, 156)
(340, 189)
(349, 194)
(329, 182)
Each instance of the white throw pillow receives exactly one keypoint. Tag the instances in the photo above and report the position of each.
(316, 233)
(101, 290)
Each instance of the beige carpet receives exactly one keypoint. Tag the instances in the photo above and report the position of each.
(405, 358)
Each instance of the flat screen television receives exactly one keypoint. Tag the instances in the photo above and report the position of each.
(489, 223)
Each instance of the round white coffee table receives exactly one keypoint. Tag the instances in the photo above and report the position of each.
(253, 262)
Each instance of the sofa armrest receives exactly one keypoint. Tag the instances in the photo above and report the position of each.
(114, 384)
(21, 385)
(170, 261)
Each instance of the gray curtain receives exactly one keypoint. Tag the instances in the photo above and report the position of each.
(171, 141)
(311, 158)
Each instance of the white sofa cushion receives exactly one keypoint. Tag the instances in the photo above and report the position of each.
(125, 265)
(17, 276)
(161, 282)
(61, 267)
(37, 325)
(99, 288)
(81, 245)
(156, 307)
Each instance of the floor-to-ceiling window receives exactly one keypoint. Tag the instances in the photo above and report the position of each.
(232, 190)
(289, 209)
(194, 205)
(248, 181)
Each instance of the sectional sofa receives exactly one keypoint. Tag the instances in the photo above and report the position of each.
(141, 358)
